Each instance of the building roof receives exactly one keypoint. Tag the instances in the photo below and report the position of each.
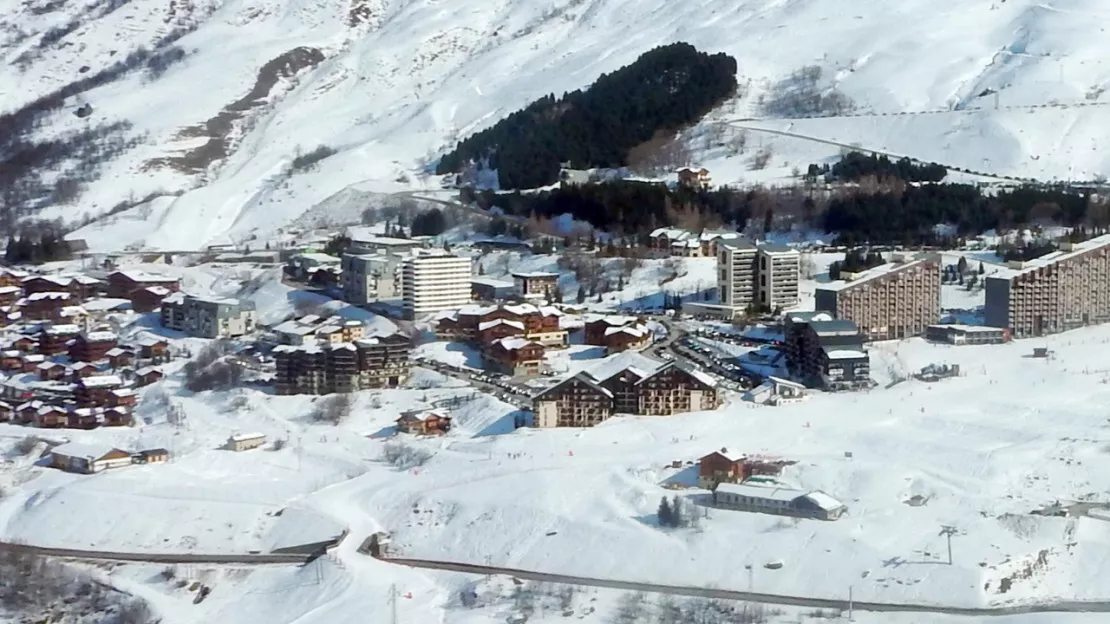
(786, 382)
(761, 492)
(536, 275)
(614, 365)
(158, 291)
(85, 450)
(102, 381)
(968, 328)
(1072, 250)
(637, 331)
(143, 276)
(837, 327)
(492, 282)
(834, 353)
(810, 317)
(51, 295)
(494, 323)
(146, 370)
(885, 269)
(732, 456)
(5, 290)
(513, 344)
(824, 501)
(581, 377)
(100, 336)
(240, 437)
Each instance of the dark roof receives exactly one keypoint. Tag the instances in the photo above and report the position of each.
(834, 327)
(581, 376)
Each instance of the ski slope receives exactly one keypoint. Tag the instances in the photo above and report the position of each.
(400, 80)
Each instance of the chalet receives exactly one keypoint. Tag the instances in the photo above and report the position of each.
(37, 284)
(538, 284)
(12, 277)
(725, 467)
(617, 333)
(148, 375)
(86, 417)
(120, 357)
(424, 423)
(513, 357)
(55, 340)
(151, 347)
(498, 329)
(81, 370)
(11, 360)
(31, 362)
(778, 501)
(9, 295)
(245, 441)
(51, 371)
(24, 414)
(122, 284)
(26, 344)
(626, 384)
(51, 417)
(6, 411)
(118, 416)
(148, 299)
(122, 397)
(692, 177)
(45, 306)
(92, 346)
(152, 456)
(88, 458)
(97, 390)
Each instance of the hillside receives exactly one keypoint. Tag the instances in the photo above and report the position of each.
(197, 145)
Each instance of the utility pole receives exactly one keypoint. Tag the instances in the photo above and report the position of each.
(751, 581)
(948, 532)
(850, 604)
(393, 602)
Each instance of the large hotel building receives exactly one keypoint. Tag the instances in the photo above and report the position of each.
(434, 282)
(756, 276)
(1063, 290)
(895, 300)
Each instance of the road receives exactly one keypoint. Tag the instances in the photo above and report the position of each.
(775, 599)
(869, 150)
(514, 394)
(167, 558)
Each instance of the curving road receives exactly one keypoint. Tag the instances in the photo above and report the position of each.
(777, 599)
(167, 558)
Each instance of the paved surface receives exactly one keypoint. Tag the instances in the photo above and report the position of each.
(777, 599)
(103, 555)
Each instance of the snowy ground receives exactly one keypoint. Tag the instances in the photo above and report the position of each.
(400, 82)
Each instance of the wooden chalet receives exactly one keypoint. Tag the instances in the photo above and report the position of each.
(120, 357)
(122, 284)
(31, 362)
(424, 423)
(51, 417)
(149, 299)
(11, 360)
(724, 466)
(513, 357)
(12, 277)
(9, 295)
(151, 347)
(81, 370)
(148, 375)
(24, 413)
(122, 397)
(51, 371)
(97, 390)
(26, 344)
(46, 306)
(497, 329)
(86, 418)
(55, 340)
(118, 416)
(6, 410)
(92, 346)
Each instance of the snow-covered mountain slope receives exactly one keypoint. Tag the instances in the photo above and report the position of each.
(389, 84)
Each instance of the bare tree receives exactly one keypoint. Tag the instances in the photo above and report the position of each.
(762, 158)
(333, 409)
(404, 456)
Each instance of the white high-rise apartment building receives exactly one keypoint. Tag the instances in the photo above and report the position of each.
(434, 282)
(755, 277)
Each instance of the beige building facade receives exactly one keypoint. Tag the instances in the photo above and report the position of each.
(895, 300)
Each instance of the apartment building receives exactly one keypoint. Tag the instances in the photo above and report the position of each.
(513, 356)
(435, 282)
(895, 300)
(823, 352)
(628, 384)
(537, 283)
(365, 241)
(368, 278)
(1063, 290)
(756, 277)
(208, 317)
(376, 362)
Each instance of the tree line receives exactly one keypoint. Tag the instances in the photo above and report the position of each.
(855, 260)
(664, 89)
(854, 166)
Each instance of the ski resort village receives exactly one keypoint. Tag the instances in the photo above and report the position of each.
(523, 312)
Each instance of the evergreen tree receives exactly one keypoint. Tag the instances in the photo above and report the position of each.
(664, 513)
(678, 512)
(961, 266)
(581, 295)
(768, 220)
(834, 270)
(620, 282)
(981, 269)
(557, 295)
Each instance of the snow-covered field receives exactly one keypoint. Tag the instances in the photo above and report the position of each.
(400, 81)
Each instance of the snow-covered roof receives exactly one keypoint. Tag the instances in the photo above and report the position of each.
(7, 290)
(494, 323)
(971, 329)
(143, 276)
(844, 354)
(158, 291)
(1066, 252)
(550, 311)
(535, 275)
(808, 317)
(116, 352)
(54, 279)
(146, 370)
(150, 341)
(123, 392)
(47, 365)
(328, 329)
(295, 328)
(786, 382)
(85, 450)
(824, 501)
(34, 357)
(492, 282)
(240, 437)
(761, 492)
(100, 336)
(11, 353)
(102, 381)
(671, 233)
(614, 365)
(72, 311)
(882, 270)
(51, 295)
(512, 344)
(732, 456)
(637, 331)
